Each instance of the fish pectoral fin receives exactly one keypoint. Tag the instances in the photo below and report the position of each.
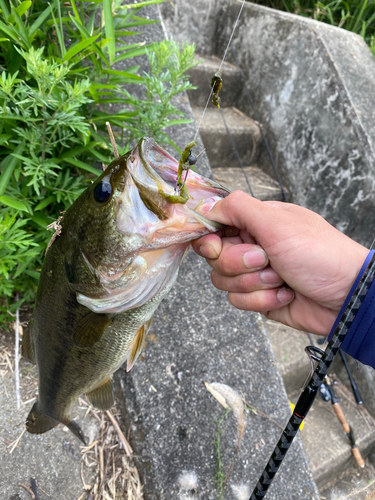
(138, 344)
(37, 422)
(102, 397)
(27, 346)
(90, 328)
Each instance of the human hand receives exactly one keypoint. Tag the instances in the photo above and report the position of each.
(272, 243)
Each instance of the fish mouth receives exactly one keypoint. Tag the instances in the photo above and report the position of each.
(158, 228)
(152, 198)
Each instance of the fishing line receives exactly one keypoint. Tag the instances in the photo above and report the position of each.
(221, 64)
(275, 169)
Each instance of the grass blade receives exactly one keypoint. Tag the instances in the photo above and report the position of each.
(109, 29)
(43, 16)
(4, 8)
(83, 166)
(134, 53)
(78, 47)
(9, 164)
(140, 4)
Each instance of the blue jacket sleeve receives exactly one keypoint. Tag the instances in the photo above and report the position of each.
(359, 342)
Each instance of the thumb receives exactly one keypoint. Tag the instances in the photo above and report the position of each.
(243, 211)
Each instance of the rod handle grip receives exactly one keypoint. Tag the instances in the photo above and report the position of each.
(358, 457)
(340, 415)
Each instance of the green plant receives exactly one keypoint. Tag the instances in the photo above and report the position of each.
(353, 15)
(166, 79)
(53, 109)
(220, 476)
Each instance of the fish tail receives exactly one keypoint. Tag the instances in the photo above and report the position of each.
(37, 422)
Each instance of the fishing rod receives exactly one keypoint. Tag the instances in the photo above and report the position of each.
(342, 325)
(327, 393)
(355, 390)
(347, 429)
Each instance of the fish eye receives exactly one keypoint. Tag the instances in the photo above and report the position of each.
(103, 191)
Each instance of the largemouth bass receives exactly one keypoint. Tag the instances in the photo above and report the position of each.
(115, 259)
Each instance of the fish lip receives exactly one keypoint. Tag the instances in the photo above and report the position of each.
(163, 166)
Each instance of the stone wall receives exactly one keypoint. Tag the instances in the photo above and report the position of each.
(313, 87)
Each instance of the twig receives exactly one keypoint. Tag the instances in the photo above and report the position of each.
(17, 441)
(112, 138)
(258, 412)
(17, 358)
(34, 488)
(28, 489)
(126, 445)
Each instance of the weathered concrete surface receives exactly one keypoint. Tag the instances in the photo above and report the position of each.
(201, 75)
(329, 450)
(197, 337)
(263, 186)
(312, 85)
(289, 348)
(53, 459)
(213, 130)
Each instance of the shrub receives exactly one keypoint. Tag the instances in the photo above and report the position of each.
(55, 89)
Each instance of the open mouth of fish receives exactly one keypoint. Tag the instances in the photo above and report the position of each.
(157, 228)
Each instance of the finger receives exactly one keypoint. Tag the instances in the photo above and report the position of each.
(238, 259)
(304, 314)
(209, 246)
(248, 282)
(262, 300)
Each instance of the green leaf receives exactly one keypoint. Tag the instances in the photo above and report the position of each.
(23, 7)
(8, 166)
(10, 31)
(83, 166)
(21, 29)
(134, 52)
(124, 74)
(44, 203)
(140, 4)
(40, 20)
(33, 274)
(78, 47)
(109, 29)
(118, 116)
(59, 32)
(171, 123)
(11, 202)
(4, 8)
(42, 220)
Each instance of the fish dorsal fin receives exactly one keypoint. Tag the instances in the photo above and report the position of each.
(102, 397)
(90, 329)
(27, 346)
(138, 344)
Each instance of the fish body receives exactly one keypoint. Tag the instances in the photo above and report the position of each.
(116, 257)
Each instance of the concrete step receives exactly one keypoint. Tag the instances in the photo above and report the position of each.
(263, 186)
(201, 76)
(326, 445)
(245, 133)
